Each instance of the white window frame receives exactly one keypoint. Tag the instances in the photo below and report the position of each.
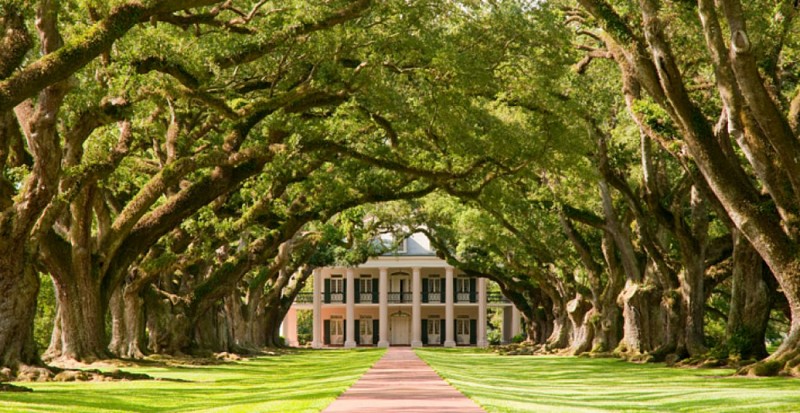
(365, 327)
(365, 284)
(462, 285)
(337, 284)
(402, 246)
(337, 327)
(434, 327)
(434, 284)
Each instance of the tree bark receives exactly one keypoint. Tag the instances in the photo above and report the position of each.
(750, 307)
(19, 287)
(81, 321)
(127, 323)
(560, 336)
(581, 312)
(692, 243)
(638, 319)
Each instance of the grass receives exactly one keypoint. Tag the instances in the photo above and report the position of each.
(301, 381)
(559, 384)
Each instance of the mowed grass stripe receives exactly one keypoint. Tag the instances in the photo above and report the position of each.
(575, 384)
(301, 381)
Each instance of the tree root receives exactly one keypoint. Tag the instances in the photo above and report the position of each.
(29, 373)
(779, 364)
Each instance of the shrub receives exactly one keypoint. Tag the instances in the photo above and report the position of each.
(495, 337)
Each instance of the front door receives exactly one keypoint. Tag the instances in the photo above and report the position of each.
(365, 327)
(401, 329)
(462, 331)
(337, 331)
(434, 331)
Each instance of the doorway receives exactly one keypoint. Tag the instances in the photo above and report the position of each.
(400, 329)
(337, 331)
(399, 288)
(462, 331)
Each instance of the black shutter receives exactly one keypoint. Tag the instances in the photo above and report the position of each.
(344, 291)
(425, 332)
(455, 290)
(473, 290)
(443, 332)
(455, 331)
(375, 286)
(375, 332)
(473, 332)
(357, 330)
(357, 291)
(327, 291)
(327, 332)
(424, 291)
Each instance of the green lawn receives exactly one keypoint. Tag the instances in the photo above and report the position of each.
(301, 381)
(559, 384)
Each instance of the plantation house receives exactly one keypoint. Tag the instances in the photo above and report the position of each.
(407, 297)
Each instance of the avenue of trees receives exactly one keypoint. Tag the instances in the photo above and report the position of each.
(628, 172)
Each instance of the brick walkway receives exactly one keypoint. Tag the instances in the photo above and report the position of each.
(401, 382)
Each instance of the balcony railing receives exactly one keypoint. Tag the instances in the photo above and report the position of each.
(435, 298)
(400, 297)
(407, 297)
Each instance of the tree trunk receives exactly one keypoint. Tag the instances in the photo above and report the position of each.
(210, 333)
(607, 328)
(559, 337)
(750, 307)
(641, 320)
(692, 242)
(81, 321)
(580, 312)
(671, 337)
(273, 328)
(19, 287)
(168, 328)
(127, 326)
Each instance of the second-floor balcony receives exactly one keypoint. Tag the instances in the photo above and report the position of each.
(395, 297)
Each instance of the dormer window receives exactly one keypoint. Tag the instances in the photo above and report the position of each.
(402, 247)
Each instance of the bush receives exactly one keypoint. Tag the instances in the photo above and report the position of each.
(519, 338)
(495, 337)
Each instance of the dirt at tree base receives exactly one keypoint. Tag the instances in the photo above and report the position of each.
(31, 374)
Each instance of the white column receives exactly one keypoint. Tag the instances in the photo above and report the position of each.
(449, 316)
(316, 328)
(350, 318)
(516, 327)
(482, 341)
(290, 327)
(416, 308)
(383, 299)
